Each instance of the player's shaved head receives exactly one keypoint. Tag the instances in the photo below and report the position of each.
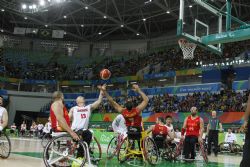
(213, 113)
(80, 100)
(57, 95)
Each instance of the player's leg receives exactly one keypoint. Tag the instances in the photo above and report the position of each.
(209, 142)
(246, 154)
(216, 137)
(187, 147)
(193, 141)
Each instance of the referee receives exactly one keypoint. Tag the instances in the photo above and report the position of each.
(213, 127)
(246, 127)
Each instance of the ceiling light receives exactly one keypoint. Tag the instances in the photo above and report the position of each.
(122, 25)
(144, 19)
(100, 33)
(34, 6)
(25, 18)
(65, 17)
(42, 2)
(82, 25)
(34, 31)
(46, 25)
(137, 34)
(86, 7)
(58, 1)
(24, 6)
(2, 30)
(65, 33)
(104, 17)
(168, 12)
(30, 7)
(2, 10)
(190, 6)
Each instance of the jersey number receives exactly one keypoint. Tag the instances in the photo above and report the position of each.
(83, 116)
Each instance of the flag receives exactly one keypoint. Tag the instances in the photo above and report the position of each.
(57, 34)
(19, 30)
(44, 33)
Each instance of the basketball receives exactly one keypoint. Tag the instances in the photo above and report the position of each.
(105, 74)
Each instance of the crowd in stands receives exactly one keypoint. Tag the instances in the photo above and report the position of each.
(19, 64)
(225, 101)
(35, 130)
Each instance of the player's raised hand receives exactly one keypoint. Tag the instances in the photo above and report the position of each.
(102, 88)
(136, 88)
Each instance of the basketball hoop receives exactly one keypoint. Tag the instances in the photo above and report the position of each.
(187, 48)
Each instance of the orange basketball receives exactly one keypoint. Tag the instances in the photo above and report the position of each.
(105, 74)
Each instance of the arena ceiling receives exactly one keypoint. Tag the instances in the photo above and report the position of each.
(95, 20)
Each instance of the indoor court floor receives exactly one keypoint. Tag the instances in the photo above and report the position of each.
(28, 153)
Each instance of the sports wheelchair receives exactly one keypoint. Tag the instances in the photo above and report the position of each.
(63, 151)
(230, 147)
(146, 148)
(166, 149)
(5, 145)
(201, 152)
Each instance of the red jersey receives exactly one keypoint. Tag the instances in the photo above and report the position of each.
(54, 123)
(160, 130)
(193, 126)
(132, 118)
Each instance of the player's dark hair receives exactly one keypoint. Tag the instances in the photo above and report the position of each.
(169, 116)
(161, 119)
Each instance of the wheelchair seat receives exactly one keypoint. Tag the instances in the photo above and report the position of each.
(159, 140)
(134, 132)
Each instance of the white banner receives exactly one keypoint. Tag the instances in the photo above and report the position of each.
(19, 30)
(57, 34)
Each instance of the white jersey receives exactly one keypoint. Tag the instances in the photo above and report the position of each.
(118, 124)
(81, 117)
(230, 138)
(2, 109)
(40, 126)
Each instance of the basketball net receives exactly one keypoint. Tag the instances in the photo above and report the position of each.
(187, 49)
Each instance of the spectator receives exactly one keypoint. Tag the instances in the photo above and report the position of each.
(230, 137)
(33, 129)
(23, 128)
(13, 128)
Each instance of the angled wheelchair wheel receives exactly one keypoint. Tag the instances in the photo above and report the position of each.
(63, 151)
(5, 145)
(95, 150)
(236, 148)
(112, 148)
(122, 154)
(150, 151)
(169, 151)
(45, 139)
(203, 152)
(178, 150)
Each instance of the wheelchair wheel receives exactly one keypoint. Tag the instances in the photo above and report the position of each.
(63, 151)
(123, 151)
(112, 148)
(45, 140)
(178, 151)
(150, 151)
(224, 147)
(5, 145)
(169, 152)
(236, 148)
(95, 150)
(203, 152)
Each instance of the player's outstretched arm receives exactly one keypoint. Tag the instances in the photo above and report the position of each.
(96, 104)
(116, 106)
(201, 129)
(145, 98)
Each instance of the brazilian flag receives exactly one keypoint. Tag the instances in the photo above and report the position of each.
(45, 33)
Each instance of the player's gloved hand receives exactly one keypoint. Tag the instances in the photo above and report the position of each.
(1, 128)
(75, 136)
(182, 138)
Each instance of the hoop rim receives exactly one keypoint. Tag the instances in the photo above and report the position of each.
(185, 42)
